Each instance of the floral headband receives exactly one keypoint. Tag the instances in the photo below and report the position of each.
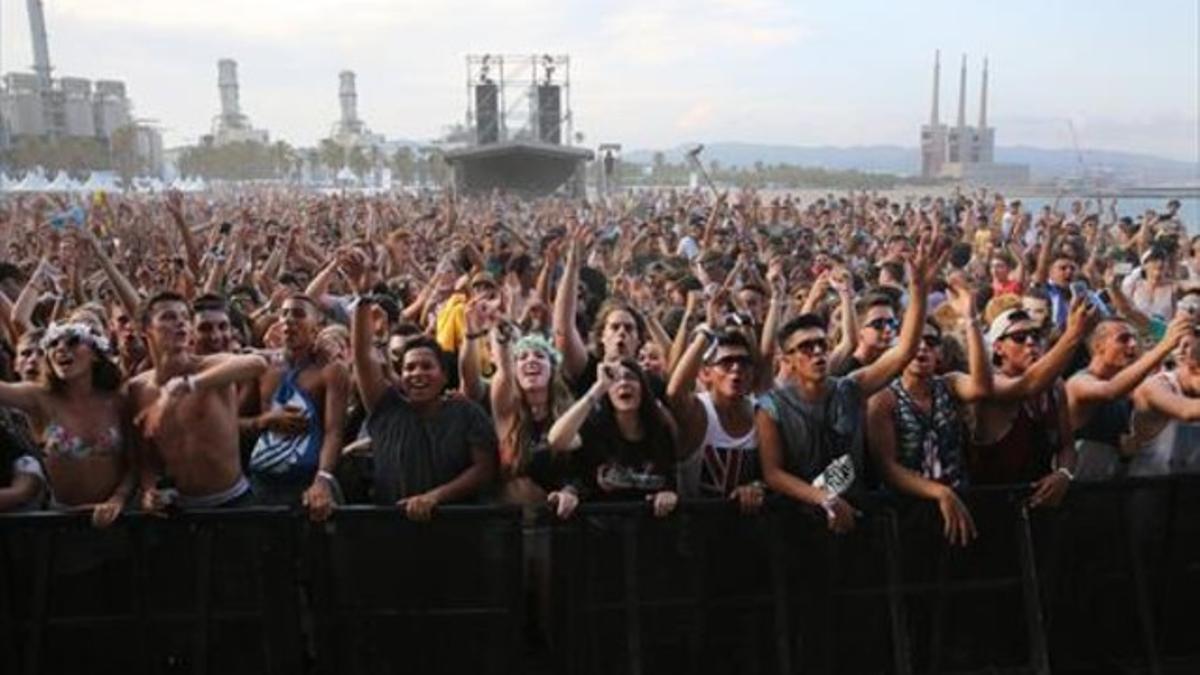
(536, 342)
(81, 331)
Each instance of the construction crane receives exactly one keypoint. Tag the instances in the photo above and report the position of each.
(1083, 170)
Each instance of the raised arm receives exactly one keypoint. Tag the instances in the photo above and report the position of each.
(566, 332)
(368, 371)
(924, 265)
(1046, 370)
(1085, 389)
(564, 433)
(681, 397)
(125, 290)
(1154, 394)
(977, 383)
(175, 208)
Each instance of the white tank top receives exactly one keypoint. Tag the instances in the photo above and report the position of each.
(1175, 449)
(722, 462)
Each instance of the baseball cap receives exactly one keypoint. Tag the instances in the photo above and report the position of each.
(1007, 322)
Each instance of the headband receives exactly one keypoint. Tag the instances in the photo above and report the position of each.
(538, 343)
(77, 329)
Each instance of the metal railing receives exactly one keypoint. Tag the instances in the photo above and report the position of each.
(1108, 581)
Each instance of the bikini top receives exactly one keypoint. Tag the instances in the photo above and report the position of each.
(62, 443)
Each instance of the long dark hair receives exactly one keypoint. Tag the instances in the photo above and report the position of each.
(656, 430)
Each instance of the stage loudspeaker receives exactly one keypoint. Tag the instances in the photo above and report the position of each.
(549, 97)
(487, 114)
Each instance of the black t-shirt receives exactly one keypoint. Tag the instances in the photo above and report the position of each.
(615, 468)
(846, 367)
(415, 453)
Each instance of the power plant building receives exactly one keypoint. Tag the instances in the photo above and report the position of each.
(350, 131)
(37, 105)
(231, 126)
(961, 151)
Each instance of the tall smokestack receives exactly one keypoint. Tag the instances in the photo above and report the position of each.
(41, 46)
(962, 94)
(937, 69)
(983, 99)
(228, 84)
(348, 98)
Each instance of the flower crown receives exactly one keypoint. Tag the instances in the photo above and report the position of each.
(536, 342)
(83, 331)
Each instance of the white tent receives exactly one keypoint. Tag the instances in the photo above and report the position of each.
(33, 181)
(101, 181)
(346, 176)
(61, 183)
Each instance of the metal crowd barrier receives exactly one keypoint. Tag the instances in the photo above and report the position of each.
(1108, 582)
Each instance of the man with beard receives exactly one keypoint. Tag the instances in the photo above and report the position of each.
(1022, 433)
(301, 429)
(1097, 397)
(915, 430)
(428, 449)
(210, 321)
(717, 442)
(187, 408)
(619, 330)
(811, 431)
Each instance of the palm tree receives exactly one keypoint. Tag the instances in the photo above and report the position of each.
(332, 154)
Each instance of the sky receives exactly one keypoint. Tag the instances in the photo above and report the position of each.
(655, 73)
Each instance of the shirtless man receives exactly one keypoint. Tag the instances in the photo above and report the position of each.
(304, 407)
(187, 410)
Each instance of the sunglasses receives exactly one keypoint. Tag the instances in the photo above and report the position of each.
(880, 324)
(729, 362)
(810, 347)
(70, 341)
(1025, 336)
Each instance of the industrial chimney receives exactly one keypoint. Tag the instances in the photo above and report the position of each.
(348, 98)
(41, 46)
(228, 84)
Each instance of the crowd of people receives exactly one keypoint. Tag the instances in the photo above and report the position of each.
(180, 352)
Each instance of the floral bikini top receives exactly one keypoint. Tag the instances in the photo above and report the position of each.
(63, 443)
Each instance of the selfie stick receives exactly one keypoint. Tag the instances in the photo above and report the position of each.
(694, 156)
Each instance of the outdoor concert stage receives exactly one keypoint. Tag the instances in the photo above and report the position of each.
(523, 167)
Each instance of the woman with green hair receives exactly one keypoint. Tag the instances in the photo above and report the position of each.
(528, 393)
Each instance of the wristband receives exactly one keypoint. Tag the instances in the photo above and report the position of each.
(327, 477)
(1066, 472)
(476, 336)
(827, 504)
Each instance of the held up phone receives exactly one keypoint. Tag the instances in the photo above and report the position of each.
(1123, 268)
(225, 228)
(1080, 289)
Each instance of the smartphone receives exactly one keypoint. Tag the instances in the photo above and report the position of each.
(225, 228)
(1123, 268)
(1080, 289)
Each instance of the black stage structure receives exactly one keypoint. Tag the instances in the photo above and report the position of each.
(519, 108)
(523, 167)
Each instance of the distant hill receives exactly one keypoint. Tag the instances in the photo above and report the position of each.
(895, 159)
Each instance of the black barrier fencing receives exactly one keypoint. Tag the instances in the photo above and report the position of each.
(1108, 582)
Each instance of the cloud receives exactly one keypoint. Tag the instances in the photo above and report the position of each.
(677, 31)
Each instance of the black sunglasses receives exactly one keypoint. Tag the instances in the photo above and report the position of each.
(1025, 336)
(810, 347)
(728, 362)
(70, 341)
(880, 324)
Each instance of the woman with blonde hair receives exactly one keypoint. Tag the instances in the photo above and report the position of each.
(79, 398)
